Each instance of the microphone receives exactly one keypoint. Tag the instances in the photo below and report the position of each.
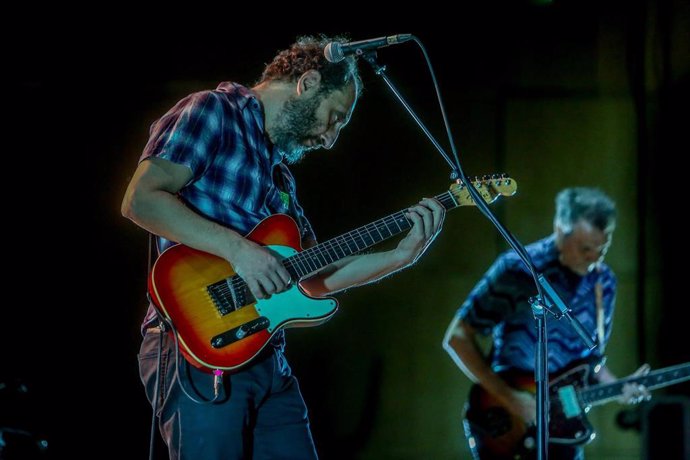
(336, 52)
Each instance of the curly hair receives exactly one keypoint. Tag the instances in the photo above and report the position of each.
(585, 203)
(307, 54)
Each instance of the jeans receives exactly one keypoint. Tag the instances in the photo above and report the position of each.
(260, 413)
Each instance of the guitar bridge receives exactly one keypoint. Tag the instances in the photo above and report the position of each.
(227, 296)
(240, 332)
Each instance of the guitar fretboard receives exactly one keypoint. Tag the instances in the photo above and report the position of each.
(315, 258)
(605, 392)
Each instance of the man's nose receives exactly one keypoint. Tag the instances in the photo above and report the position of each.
(329, 137)
(593, 256)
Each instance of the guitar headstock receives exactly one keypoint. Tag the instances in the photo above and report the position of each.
(489, 187)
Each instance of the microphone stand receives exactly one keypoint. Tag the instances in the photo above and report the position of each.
(546, 297)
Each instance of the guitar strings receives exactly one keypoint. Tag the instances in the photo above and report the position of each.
(310, 260)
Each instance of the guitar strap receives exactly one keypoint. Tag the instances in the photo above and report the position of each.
(599, 300)
(162, 321)
(284, 191)
(287, 198)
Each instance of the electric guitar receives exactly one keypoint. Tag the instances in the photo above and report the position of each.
(218, 322)
(503, 435)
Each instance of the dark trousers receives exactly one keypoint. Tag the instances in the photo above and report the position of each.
(260, 413)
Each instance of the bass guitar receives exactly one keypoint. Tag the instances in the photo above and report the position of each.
(503, 435)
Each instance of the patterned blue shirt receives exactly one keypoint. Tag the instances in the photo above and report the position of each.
(238, 177)
(499, 305)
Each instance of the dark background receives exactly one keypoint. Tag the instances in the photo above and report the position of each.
(84, 86)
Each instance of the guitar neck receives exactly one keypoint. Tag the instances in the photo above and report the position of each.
(606, 392)
(315, 258)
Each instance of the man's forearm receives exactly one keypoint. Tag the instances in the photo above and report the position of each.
(354, 271)
(460, 344)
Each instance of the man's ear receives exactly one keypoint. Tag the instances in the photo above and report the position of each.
(560, 234)
(308, 81)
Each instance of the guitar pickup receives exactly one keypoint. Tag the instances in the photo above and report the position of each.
(569, 402)
(226, 296)
(240, 332)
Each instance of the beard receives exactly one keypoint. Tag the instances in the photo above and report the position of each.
(294, 123)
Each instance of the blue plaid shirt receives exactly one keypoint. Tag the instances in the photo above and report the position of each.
(238, 177)
(499, 305)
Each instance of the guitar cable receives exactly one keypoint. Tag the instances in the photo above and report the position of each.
(154, 415)
(165, 325)
(182, 364)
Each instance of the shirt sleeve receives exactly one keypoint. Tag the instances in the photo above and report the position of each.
(499, 293)
(189, 134)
